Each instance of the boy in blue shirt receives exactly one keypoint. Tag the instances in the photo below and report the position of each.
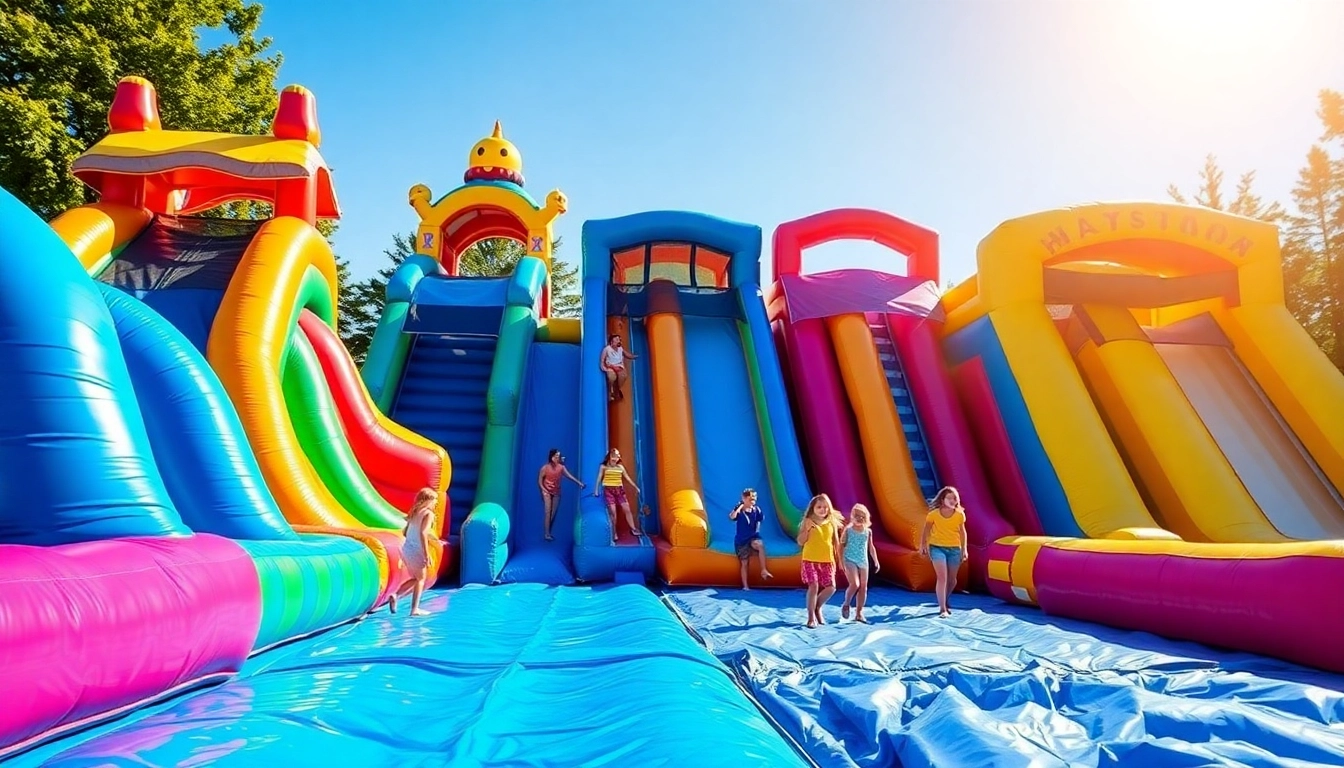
(748, 538)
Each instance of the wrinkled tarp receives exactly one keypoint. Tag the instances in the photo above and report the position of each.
(1004, 685)
(514, 675)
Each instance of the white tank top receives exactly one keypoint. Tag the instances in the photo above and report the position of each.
(614, 356)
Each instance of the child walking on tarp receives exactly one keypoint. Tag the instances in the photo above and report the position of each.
(819, 537)
(748, 538)
(419, 533)
(944, 541)
(856, 544)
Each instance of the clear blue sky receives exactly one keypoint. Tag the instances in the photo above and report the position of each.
(956, 115)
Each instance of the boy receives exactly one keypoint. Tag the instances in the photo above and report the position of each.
(748, 539)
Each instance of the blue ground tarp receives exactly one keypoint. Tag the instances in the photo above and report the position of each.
(997, 685)
(519, 675)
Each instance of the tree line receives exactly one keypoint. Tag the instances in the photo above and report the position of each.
(59, 65)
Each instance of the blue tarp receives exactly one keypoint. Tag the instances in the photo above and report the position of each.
(1009, 686)
(519, 675)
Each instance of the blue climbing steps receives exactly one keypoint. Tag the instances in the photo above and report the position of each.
(905, 405)
(442, 397)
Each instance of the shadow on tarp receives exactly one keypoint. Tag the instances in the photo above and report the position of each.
(1002, 685)
(512, 675)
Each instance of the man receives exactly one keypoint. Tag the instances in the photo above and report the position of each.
(613, 360)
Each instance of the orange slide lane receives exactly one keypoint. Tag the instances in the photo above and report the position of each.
(901, 506)
(621, 432)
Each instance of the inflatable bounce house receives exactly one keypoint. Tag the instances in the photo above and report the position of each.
(202, 499)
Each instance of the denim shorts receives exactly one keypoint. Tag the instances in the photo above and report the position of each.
(949, 555)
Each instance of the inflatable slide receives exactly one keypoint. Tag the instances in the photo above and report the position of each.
(879, 413)
(705, 414)
(177, 417)
(451, 355)
(1163, 429)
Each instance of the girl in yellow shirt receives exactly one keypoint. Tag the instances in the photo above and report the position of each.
(819, 537)
(944, 541)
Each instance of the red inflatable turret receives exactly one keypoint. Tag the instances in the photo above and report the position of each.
(135, 107)
(296, 116)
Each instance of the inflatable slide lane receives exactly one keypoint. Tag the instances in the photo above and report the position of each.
(705, 413)
(450, 356)
(878, 411)
(258, 299)
(1151, 402)
(147, 538)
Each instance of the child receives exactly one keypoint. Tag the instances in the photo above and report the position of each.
(748, 538)
(613, 360)
(415, 552)
(819, 537)
(548, 479)
(944, 541)
(856, 541)
(611, 480)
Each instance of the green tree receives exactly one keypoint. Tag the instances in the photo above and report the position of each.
(59, 66)
(1314, 238)
(362, 302)
(1243, 203)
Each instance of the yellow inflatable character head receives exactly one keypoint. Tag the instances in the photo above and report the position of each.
(494, 158)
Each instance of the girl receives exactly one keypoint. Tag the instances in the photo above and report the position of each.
(612, 363)
(419, 533)
(819, 537)
(856, 541)
(944, 541)
(548, 479)
(611, 480)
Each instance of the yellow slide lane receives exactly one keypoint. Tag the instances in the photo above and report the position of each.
(245, 348)
(1264, 455)
(1296, 375)
(1191, 484)
(1102, 496)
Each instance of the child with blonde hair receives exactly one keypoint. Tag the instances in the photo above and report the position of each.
(419, 533)
(819, 537)
(856, 544)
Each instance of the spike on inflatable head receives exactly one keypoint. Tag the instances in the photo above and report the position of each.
(494, 158)
(296, 116)
(135, 107)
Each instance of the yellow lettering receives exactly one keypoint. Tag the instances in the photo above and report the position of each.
(1240, 246)
(1217, 234)
(1085, 228)
(1057, 239)
(1189, 226)
(1113, 218)
(1136, 220)
(1161, 219)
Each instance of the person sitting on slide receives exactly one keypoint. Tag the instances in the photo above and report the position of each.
(614, 356)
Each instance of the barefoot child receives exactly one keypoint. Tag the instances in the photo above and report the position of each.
(419, 533)
(944, 541)
(549, 481)
(748, 537)
(856, 542)
(611, 480)
(819, 537)
(613, 360)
